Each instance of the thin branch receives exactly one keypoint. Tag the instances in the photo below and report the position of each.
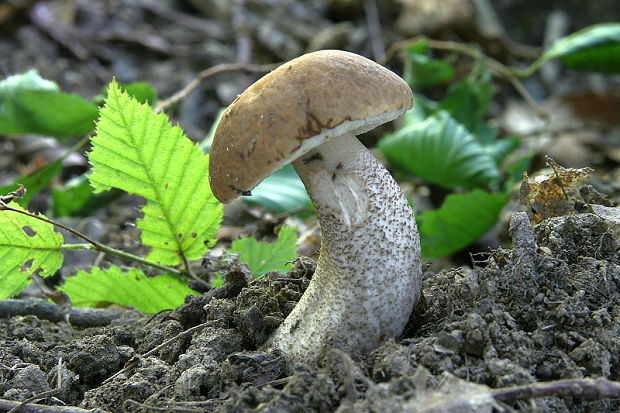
(94, 245)
(20, 407)
(186, 265)
(79, 317)
(183, 334)
(168, 409)
(208, 28)
(374, 28)
(75, 147)
(243, 32)
(210, 72)
(5, 207)
(122, 254)
(36, 397)
(7, 405)
(584, 389)
(510, 74)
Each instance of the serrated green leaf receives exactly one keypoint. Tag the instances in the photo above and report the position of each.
(141, 91)
(282, 192)
(27, 245)
(131, 288)
(595, 48)
(34, 182)
(440, 150)
(461, 220)
(421, 70)
(138, 151)
(31, 104)
(263, 257)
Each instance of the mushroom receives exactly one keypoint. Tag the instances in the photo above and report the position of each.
(308, 112)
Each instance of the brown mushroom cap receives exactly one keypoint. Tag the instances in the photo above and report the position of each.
(264, 128)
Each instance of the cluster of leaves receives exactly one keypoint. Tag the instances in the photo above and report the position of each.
(450, 143)
(136, 151)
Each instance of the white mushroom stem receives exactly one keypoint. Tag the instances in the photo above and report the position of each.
(367, 278)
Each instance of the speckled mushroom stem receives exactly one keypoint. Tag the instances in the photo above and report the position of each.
(367, 278)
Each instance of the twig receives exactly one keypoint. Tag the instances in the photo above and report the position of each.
(43, 18)
(80, 317)
(7, 405)
(210, 72)
(211, 30)
(92, 244)
(122, 254)
(584, 389)
(179, 336)
(243, 32)
(374, 28)
(510, 74)
(5, 207)
(44, 394)
(186, 265)
(168, 409)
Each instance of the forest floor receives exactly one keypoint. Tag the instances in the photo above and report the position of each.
(543, 308)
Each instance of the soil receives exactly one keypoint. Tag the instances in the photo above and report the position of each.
(548, 309)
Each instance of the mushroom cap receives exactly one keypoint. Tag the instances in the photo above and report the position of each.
(295, 108)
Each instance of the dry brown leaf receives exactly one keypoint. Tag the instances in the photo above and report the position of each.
(554, 193)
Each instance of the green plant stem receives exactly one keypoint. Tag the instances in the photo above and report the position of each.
(510, 74)
(529, 71)
(77, 146)
(92, 244)
(119, 253)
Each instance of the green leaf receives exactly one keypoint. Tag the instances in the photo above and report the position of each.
(501, 148)
(27, 246)
(131, 288)
(31, 104)
(461, 220)
(77, 198)
(263, 257)
(139, 152)
(468, 102)
(141, 91)
(421, 110)
(595, 48)
(423, 71)
(440, 150)
(34, 182)
(282, 192)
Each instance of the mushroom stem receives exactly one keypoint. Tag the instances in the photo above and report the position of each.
(367, 278)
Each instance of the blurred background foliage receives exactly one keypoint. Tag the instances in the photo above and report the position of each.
(498, 85)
